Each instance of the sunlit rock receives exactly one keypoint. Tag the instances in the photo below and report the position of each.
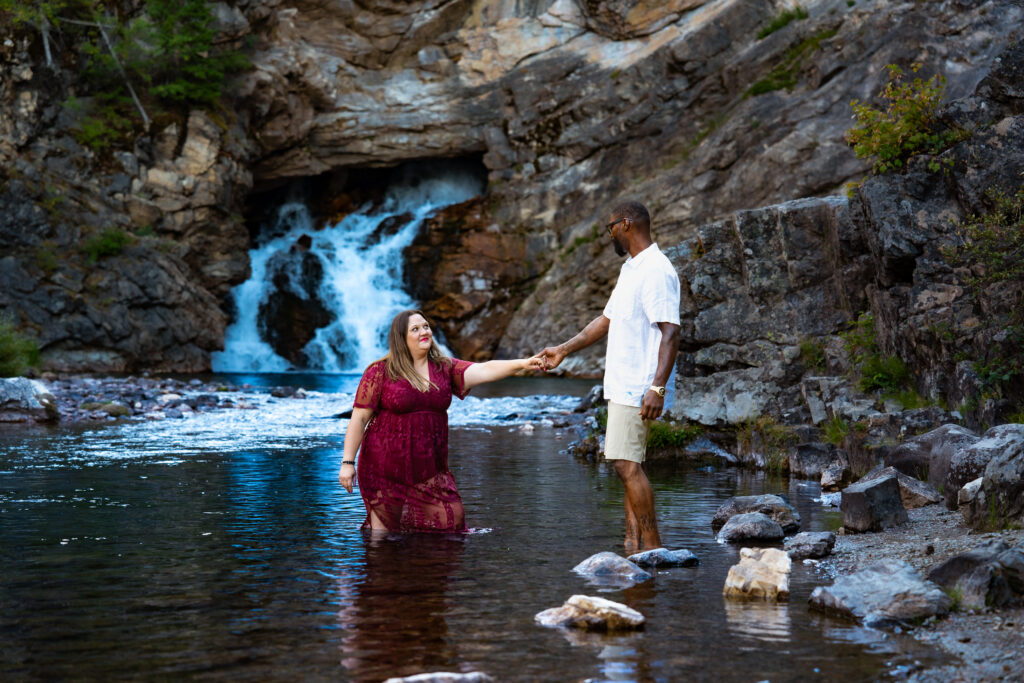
(592, 614)
(761, 573)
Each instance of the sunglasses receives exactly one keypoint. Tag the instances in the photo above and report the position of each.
(611, 225)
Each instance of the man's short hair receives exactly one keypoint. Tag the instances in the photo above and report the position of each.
(635, 212)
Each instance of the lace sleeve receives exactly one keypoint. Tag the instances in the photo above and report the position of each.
(458, 375)
(370, 388)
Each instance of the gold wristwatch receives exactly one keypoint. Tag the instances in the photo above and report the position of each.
(660, 391)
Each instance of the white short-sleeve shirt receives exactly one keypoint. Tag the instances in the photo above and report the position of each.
(646, 293)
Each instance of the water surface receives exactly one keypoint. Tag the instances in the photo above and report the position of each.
(222, 547)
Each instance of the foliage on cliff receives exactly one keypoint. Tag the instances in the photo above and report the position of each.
(135, 69)
(906, 124)
(17, 352)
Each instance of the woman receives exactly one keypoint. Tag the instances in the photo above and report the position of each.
(400, 421)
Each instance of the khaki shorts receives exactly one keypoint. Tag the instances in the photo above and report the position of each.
(626, 435)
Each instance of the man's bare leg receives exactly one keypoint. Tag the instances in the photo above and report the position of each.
(632, 544)
(639, 503)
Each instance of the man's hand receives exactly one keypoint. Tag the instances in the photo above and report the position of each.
(651, 406)
(552, 356)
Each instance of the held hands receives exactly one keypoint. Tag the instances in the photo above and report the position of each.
(551, 357)
(533, 363)
(651, 406)
(347, 475)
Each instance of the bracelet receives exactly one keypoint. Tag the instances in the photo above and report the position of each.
(346, 462)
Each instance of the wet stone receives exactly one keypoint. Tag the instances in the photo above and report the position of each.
(761, 573)
(607, 567)
(810, 544)
(662, 557)
(775, 507)
(750, 526)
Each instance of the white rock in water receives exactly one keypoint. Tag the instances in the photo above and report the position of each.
(610, 567)
(761, 573)
(167, 398)
(444, 677)
(592, 614)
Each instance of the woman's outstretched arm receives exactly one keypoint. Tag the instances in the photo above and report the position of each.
(353, 440)
(481, 373)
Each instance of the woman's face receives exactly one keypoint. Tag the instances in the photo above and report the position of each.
(418, 336)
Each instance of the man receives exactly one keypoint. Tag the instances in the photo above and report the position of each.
(641, 320)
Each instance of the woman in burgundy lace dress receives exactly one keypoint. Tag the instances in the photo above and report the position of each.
(399, 428)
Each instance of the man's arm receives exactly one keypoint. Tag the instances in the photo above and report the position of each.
(593, 332)
(652, 404)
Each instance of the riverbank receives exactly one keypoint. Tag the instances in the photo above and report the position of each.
(85, 399)
(988, 643)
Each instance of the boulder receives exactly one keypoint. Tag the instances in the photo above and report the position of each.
(809, 460)
(607, 567)
(444, 677)
(967, 494)
(591, 614)
(26, 400)
(884, 593)
(810, 544)
(1012, 562)
(750, 526)
(970, 462)
(661, 557)
(761, 573)
(927, 456)
(978, 578)
(775, 507)
(835, 476)
(913, 492)
(1000, 500)
(873, 505)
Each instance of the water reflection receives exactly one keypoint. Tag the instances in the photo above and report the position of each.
(762, 620)
(395, 623)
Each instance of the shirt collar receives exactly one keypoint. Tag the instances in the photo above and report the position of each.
(634, 261)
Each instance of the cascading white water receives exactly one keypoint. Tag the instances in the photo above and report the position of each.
(361, 285)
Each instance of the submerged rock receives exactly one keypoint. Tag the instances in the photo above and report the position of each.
(750, 526)
(810, 544)
(662, 557)
(884, 593)
(775, 507)
(761, 573)
(914, 493)
(607, 567)
(591, 614)
(873, 505)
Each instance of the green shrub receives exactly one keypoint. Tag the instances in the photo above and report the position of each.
(46, 258)
(785, 73)
(888, 373)
(812, 354)
(17, 352)
(906, 124)
(836, 430)
(663, 435)
(110, 242)
(782, 20)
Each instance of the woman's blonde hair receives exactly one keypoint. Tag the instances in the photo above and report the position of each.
(399, 359)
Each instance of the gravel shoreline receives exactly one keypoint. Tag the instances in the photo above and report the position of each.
(988, 643)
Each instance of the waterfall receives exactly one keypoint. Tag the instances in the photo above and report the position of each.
(341, 285)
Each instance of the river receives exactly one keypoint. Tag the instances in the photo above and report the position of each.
(222, 547)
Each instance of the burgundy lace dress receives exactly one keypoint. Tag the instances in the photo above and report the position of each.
(403, 461)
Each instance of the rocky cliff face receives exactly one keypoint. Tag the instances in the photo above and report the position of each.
(572, 105)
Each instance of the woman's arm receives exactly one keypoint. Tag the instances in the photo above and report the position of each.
(481, 373)
(353, 440)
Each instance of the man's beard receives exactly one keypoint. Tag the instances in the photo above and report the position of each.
(619, 249)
